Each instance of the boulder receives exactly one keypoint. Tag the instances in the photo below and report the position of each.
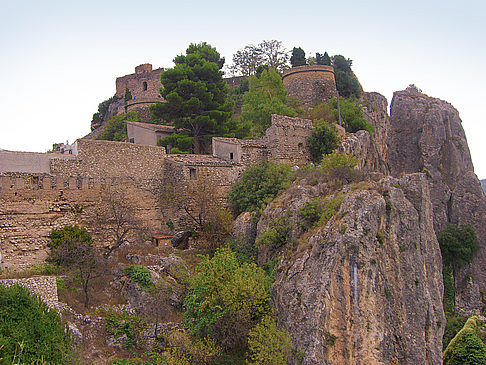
(181, 240)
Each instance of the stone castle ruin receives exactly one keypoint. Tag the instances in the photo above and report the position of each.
(42, 191)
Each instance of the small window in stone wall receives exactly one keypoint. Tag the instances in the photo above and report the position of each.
(192, 173)
(231, 155)
(145, 86)
(301, 147)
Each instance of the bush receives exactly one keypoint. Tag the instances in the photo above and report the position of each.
(319, 211)
(351, 115)
(184, 350)
(141, 275)
(454, 324)
(258, 185)
(67, 233)
(30, 331)
(457, 245)
(179, 143)
(277, 233)
(115, 128)
(224, 289)
(467, 347)
(322, 141)
(268, 344)
(120, 324)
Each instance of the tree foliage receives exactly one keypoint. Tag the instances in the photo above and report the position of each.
(458, 246)
(196, 95)
(258, 185)
(298, 57)
(268, 344)
(266, 96)
(467, 348)
(322, 141)
(115, 128)
(222, 290)
(271, 54)
(323, 59)
(68, 233)
(30, 331)
(100, 115)
(180, 141)
(346, 82)
(352, 116)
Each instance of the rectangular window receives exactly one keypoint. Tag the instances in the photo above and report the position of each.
(192, 173)
(231, 155)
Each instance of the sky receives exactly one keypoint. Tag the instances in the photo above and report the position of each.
(60, 59)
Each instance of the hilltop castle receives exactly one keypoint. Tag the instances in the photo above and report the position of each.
(41, 191)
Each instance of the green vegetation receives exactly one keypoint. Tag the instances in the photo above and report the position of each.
(184, 350)
(346, 82)
(197, 99)
(268, 344)
(351, 115)
(322, 141)
(121, 324)
(258, 185)
(318, 211)
(458, 246)
(298, 57)
(141, 275)
(226, 299)
(337, 160)
(30, 331)
(278, 233)
(467, 347)
(115, 128)
(251, 60)
(380, 236)
(72, 249)
(178, 142)
(100, 115)
(265, 97)
(67, 233)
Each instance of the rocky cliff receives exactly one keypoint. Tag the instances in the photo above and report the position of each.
(366, 288)
(426, 135)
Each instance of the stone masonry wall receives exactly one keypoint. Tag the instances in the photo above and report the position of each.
(32, 205)
(310, 84)
(45, 287)
(287, 139)
(101, 159)
(135, 83)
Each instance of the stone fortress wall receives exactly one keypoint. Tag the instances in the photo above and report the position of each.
(310, 84)
(40, 191)
(45, 287)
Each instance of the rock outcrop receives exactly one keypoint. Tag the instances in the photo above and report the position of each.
(366, 288)
(371, 150)
(426, 135)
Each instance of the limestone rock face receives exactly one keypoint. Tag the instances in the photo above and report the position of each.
(366, 288)
(371, 150)
(426, 135)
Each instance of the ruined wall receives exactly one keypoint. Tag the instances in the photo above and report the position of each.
(310, 84)
(144, 83)
(45, 287)
(32, 205)
(100, 159)
(287, 139)
(31, 162)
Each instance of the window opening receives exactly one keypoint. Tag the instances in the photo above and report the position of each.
(145, 86)
(192, 173)
(231, 155)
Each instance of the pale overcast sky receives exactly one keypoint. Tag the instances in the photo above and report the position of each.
(59, 59)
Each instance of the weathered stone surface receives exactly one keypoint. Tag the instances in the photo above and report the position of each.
(45, 287)
(372, 277)
(426, 135)
(371, 150)
(181, 240)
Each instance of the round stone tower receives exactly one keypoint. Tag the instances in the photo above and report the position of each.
(311, 84)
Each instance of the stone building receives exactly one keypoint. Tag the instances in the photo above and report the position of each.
(42, 191)
(310, 84)
(147, 133)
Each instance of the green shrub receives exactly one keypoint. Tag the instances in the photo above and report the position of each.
(120, 324)
(319, 211)
(277, 233)
(338, 160)
(30, 330)
(322, 141)
(115, 128)
(224, 290)
(179, 142)
(467, 347)
(245, 251)
(141, 275)
(67, 233)
(352, 117)
(258, 185)
(268, 344)
(454, 324)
